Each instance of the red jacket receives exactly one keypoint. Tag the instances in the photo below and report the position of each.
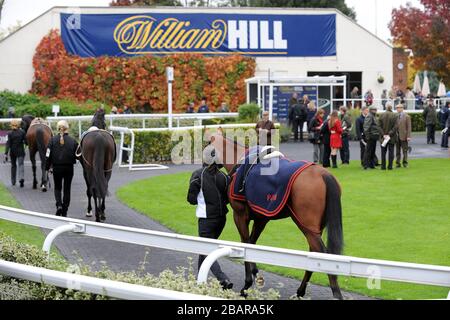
(335, 138)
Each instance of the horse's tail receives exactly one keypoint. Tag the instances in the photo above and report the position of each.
(40, 143)
(333, 215)
(98, 169)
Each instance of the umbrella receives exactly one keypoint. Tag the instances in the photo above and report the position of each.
(441, 91)
(425, 86)
(417, 84)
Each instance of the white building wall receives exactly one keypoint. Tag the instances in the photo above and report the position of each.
(357, 49)
(17, 51)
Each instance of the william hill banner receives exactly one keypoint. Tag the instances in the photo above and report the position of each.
(93, 35)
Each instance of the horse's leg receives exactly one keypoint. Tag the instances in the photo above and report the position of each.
(33, 166)
(102, 210)
(97, 209)
(257, 229)
(242, 220)
(315, 244)
(89, 208)
(44, 176)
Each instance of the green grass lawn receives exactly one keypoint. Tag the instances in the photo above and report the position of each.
(400, 215)
(19, 232)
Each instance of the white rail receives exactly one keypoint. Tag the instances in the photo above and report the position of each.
(114, 289)
(316, 262)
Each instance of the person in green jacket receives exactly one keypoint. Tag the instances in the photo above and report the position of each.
(430, 117)
(389, 136)
(372, 132)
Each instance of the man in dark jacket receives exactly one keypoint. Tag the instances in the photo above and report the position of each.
(430, 117)
(61, 157)
(299, 115)
(264, 129)
(14, 146)
(360, 132)
(372, 132)
(208, 189)
(443, 117)
(389, 128)
(346, 122)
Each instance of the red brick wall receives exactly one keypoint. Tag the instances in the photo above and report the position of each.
(400, 76)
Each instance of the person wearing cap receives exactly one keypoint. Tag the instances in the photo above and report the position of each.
(372, 132)
(16, 150)
(264, 129)
(388, 124)
(60, 157)
(404, 136)
(208, 189)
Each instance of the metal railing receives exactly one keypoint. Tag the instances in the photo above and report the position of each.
(110, 288)
(316, 262)
(409, 104)
(130, 149)
(177, 117)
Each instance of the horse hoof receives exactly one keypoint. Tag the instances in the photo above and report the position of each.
(44, 189)
(89, 214)
(102, 218)
(34, 187)
(244, 293)
(259, 280)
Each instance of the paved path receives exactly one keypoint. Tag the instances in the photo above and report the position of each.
(122, 257)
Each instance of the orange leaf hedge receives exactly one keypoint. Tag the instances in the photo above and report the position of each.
(139, 81)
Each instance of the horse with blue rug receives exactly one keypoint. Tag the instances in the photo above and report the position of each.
(267, 186)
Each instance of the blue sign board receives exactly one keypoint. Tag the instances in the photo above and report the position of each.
(281, 97)
(293, 35)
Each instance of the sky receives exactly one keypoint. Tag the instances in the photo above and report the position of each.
(26, 10)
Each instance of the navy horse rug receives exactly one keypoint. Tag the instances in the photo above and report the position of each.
(265, 184)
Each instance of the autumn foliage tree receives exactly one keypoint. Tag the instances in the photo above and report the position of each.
(427, 33)
(139, 81)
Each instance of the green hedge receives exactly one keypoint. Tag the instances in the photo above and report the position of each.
(249, 112)
(157, 147)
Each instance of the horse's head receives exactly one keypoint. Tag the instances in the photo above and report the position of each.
(26, 122)
(228, 152)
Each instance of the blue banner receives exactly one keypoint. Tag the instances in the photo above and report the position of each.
(94, 35)
(282, 96)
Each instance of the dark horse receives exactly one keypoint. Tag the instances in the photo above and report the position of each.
(315, 200)
(97, 153)
(38, 135)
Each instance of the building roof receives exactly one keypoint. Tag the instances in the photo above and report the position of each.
(270, 10)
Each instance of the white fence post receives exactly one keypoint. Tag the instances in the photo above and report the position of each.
(78, 228)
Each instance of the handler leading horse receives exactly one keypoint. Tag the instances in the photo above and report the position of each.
(97, 153)
(314, 202)
(38, 135)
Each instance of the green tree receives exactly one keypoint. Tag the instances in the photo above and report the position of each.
(427, 33)
(2, 2)
(338, 4)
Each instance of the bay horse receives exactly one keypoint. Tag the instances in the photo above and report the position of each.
(97, 154)
(315, 202)
(38, 135)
